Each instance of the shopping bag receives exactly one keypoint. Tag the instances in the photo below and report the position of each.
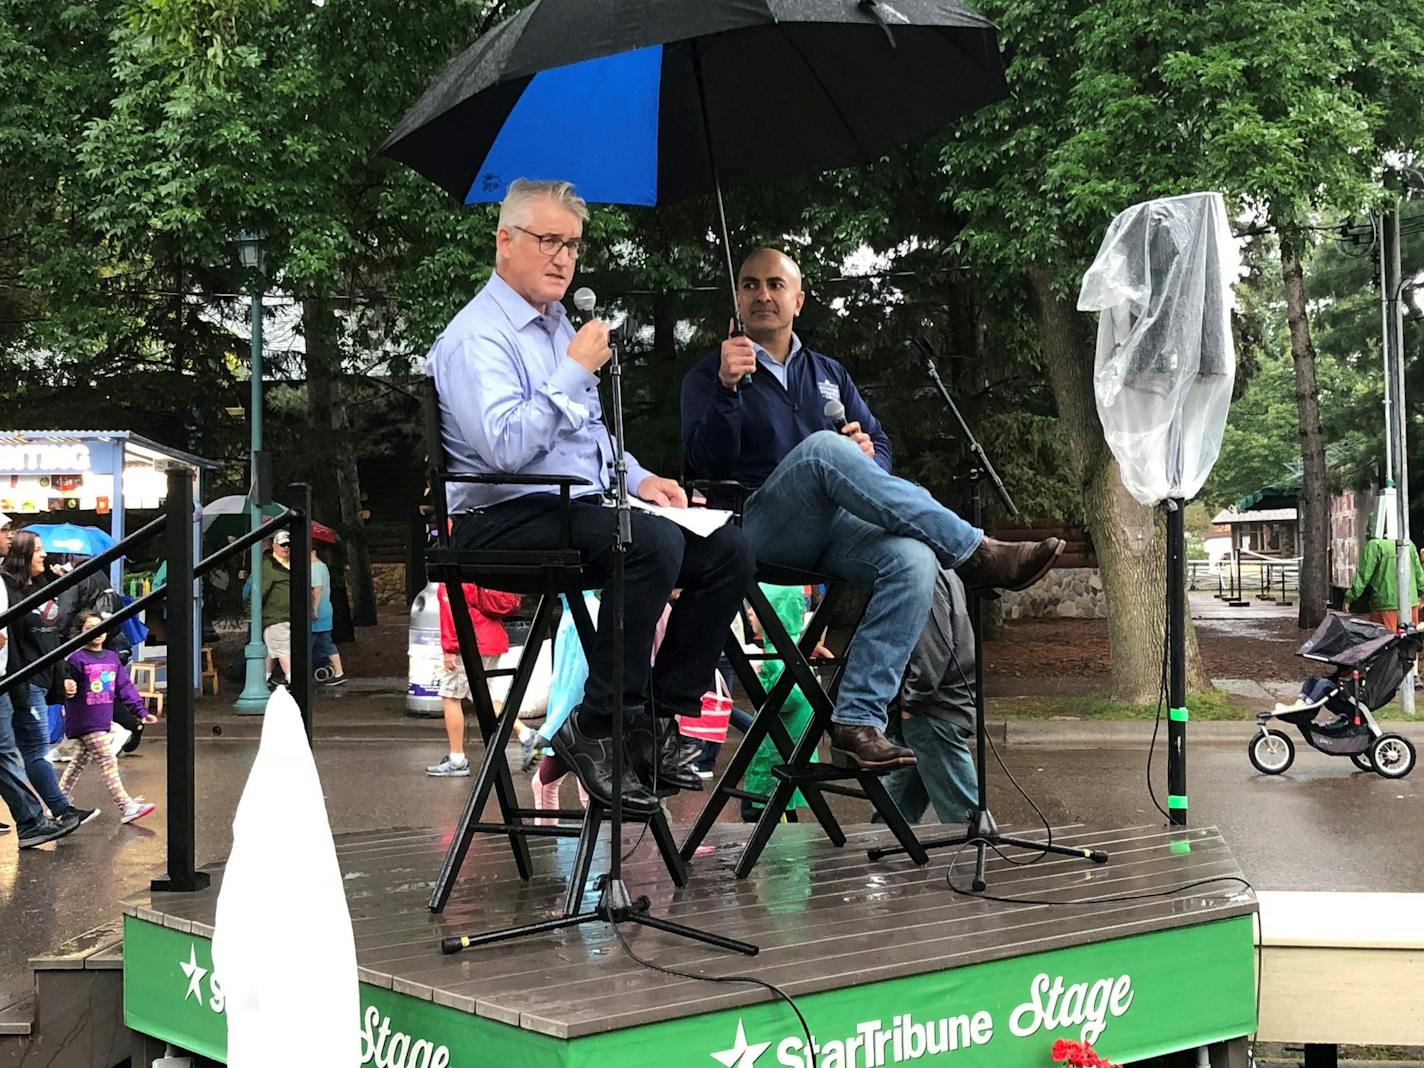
(711, 726)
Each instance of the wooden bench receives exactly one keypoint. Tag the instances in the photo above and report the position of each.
(1339, 968)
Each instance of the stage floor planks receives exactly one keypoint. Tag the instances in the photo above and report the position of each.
(825, 918)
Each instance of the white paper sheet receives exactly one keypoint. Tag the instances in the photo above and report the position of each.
(701, 521)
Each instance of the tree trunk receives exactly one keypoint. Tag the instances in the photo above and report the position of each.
(1314, 493)
(326, 407)
(1127, 536)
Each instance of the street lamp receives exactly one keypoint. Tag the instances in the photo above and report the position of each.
(253, 699)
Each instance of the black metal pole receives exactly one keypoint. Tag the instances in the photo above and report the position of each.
(1177, 662)
(616, 594)
(301, 680)
(182, 875)
(717, 191)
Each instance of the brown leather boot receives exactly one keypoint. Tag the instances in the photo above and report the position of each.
(866, 747)
(1009, 565)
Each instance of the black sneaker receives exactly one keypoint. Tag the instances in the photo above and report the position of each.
(83, 815)
(134, 739)
(334, 680)
(47, 831)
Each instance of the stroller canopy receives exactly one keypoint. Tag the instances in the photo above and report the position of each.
(1345, 641)
(1382, 657)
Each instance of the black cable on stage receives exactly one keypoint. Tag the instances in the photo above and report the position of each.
(782, 994)
(1107, 899)
(1157, 726)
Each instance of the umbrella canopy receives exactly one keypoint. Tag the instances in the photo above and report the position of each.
(231, 517)
(70, 538)
(645, 102)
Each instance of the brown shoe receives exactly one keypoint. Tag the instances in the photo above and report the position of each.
(1009, 565)
(866, 747)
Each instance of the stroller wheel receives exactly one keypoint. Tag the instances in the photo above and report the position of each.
(1271, 752)
(1362, 761)
(1392, 756)
(322, 673)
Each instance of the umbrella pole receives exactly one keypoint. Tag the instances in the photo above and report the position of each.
(716, 186)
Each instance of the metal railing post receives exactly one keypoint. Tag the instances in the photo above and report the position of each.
(182, 875)
(301, 680)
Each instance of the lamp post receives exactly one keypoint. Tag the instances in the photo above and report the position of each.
(253, 699)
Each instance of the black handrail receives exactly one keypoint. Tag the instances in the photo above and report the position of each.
(177, 523)
(128, 611)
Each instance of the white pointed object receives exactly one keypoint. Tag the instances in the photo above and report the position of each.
(283, 949)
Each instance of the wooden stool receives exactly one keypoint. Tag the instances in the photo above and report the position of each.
(209, 672)
(144, 674)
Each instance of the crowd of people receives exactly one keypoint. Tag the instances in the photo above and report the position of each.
(92, 686)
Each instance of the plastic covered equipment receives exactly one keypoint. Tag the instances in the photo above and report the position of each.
(1165, 357)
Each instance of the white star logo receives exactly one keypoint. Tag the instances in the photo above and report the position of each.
(194, 972)
(743, 1054)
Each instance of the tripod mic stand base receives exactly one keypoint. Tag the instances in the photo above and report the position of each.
(615, 906)
(983, 833)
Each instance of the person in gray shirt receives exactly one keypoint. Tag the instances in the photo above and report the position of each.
(937, 713)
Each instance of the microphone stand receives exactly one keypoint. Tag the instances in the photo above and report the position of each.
(982, 832)
(615, 905)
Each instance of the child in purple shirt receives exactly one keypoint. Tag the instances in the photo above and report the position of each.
(100, 680)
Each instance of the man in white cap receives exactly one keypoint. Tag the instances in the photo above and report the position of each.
(277, 604)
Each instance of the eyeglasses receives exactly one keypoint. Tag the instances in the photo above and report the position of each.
(551, 244)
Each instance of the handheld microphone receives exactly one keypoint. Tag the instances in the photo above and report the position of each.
(585, 300)
(836, 413)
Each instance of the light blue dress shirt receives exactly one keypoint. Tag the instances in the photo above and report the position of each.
(512, 402)
(778, 369)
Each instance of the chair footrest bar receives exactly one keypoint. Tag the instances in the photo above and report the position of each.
(526, 829)
(747, 795)
(842, 791)
(548, 814)
(817, 773)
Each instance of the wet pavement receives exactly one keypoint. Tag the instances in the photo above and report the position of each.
(1321, 826)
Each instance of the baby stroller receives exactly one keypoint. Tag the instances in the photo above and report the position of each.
(1373, 662)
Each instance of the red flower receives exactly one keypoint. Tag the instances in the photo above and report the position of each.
(1078, 1055)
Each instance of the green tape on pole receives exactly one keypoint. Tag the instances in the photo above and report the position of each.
(1177, 801)
(1180, 847)
(1178, 714)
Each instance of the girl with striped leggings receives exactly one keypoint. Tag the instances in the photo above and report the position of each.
(100, 680)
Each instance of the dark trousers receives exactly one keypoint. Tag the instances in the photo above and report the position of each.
(712, 572)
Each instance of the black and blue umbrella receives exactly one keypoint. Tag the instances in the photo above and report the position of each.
(649, 101)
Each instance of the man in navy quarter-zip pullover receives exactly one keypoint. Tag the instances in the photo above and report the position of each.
(825, 499)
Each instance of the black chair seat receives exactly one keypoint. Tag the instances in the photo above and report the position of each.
(517, 571)
(781, 575)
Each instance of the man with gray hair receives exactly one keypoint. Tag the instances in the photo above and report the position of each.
(519, 396)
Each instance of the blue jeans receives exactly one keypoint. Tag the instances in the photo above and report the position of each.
(945, 775)
(14, 786)
(828, 507)
(32, 733)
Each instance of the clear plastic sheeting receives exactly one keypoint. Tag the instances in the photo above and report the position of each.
(1165, 357)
